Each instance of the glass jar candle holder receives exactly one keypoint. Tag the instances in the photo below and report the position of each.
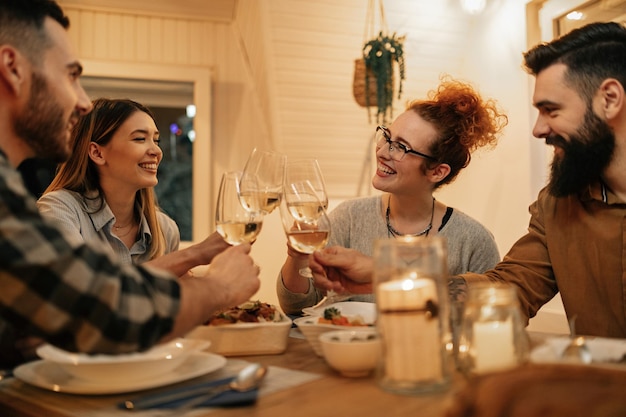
(492, 335)
(410, 277)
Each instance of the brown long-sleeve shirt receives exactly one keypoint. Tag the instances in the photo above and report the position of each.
(576, 246)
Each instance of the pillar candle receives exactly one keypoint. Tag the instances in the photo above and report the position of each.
(411, 336)
(493, 345)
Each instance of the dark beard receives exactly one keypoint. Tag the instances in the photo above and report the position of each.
(42, 125)
(585, 156)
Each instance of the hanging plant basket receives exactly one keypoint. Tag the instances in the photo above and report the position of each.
(380, 55)
(373, 84)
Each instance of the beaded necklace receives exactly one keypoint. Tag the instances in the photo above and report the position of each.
(393, 232)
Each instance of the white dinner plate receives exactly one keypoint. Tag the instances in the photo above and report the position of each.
(605, 352)
(49, 375)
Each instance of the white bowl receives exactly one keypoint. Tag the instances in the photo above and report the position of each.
(312, 329)
(347, 308)
(241, 339)
(124, 367)
(354, 353)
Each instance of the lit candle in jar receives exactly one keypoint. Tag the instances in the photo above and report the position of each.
(493, 345)
(409, 328)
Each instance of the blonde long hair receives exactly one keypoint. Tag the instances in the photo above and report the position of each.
(79, 172)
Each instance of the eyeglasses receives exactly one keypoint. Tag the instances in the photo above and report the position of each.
(397, 150)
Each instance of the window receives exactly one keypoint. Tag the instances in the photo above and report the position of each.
(169, 101)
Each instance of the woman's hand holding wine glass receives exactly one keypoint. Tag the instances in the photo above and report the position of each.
(233, 221)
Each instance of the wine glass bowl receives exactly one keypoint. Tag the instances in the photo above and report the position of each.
(304, 219)
(233, 221)
(303, 206)
(300, 170)
(262, 181)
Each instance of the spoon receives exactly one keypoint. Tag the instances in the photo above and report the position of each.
(247, 379)
(577, 350)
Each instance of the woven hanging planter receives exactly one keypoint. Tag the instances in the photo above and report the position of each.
(364, 92)
(373, 83)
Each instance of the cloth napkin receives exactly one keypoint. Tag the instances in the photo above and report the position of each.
(227, 398)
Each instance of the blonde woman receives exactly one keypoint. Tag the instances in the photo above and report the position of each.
(105, 190)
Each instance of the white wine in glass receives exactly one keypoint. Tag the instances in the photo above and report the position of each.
(308, 241)
(262, 181)
(233, 222)
(307, 230)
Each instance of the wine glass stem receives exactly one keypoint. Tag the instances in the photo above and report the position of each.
(331, 295)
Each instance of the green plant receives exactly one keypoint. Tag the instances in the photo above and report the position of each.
(379, 54)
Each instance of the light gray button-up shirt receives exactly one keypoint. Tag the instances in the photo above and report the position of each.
(77, 217)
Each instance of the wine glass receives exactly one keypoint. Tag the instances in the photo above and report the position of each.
(306, 225)
(262, 181)
(299, 170)
(233, 221)
(304, 219)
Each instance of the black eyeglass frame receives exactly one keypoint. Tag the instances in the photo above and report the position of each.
(397, 145)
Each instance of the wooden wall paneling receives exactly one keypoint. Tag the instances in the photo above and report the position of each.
(169, 41)
(128, 37)
(101, 35)
(155, 37)
(215, 10)
(249, 23)
(182, 41)
(199, 43)
(114, 40)
(87, 33)
(142, 39)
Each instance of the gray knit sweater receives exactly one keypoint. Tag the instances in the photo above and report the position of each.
(357, 223)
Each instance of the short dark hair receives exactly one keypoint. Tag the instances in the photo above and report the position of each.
(591, 53)
(22, 25)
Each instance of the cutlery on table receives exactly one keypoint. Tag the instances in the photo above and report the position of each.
(247, 379)
(577, 350)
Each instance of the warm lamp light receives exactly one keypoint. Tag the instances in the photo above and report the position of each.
(473, 6)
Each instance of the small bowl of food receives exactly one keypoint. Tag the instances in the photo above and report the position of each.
(252, 328)
(353, 353)
(333, 318)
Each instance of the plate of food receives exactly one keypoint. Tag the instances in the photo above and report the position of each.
(252, 328)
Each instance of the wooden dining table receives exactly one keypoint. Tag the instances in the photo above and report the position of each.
(330, 394)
